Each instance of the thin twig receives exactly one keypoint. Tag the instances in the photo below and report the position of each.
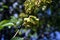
(15, 34)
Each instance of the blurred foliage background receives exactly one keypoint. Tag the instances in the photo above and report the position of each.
(29, 19)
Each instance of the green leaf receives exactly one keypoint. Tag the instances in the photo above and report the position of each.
(19, 22)
(8, 24)
(1, 27)
(17, 38)
(13, 19)
(5, 6)
(3, 22)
